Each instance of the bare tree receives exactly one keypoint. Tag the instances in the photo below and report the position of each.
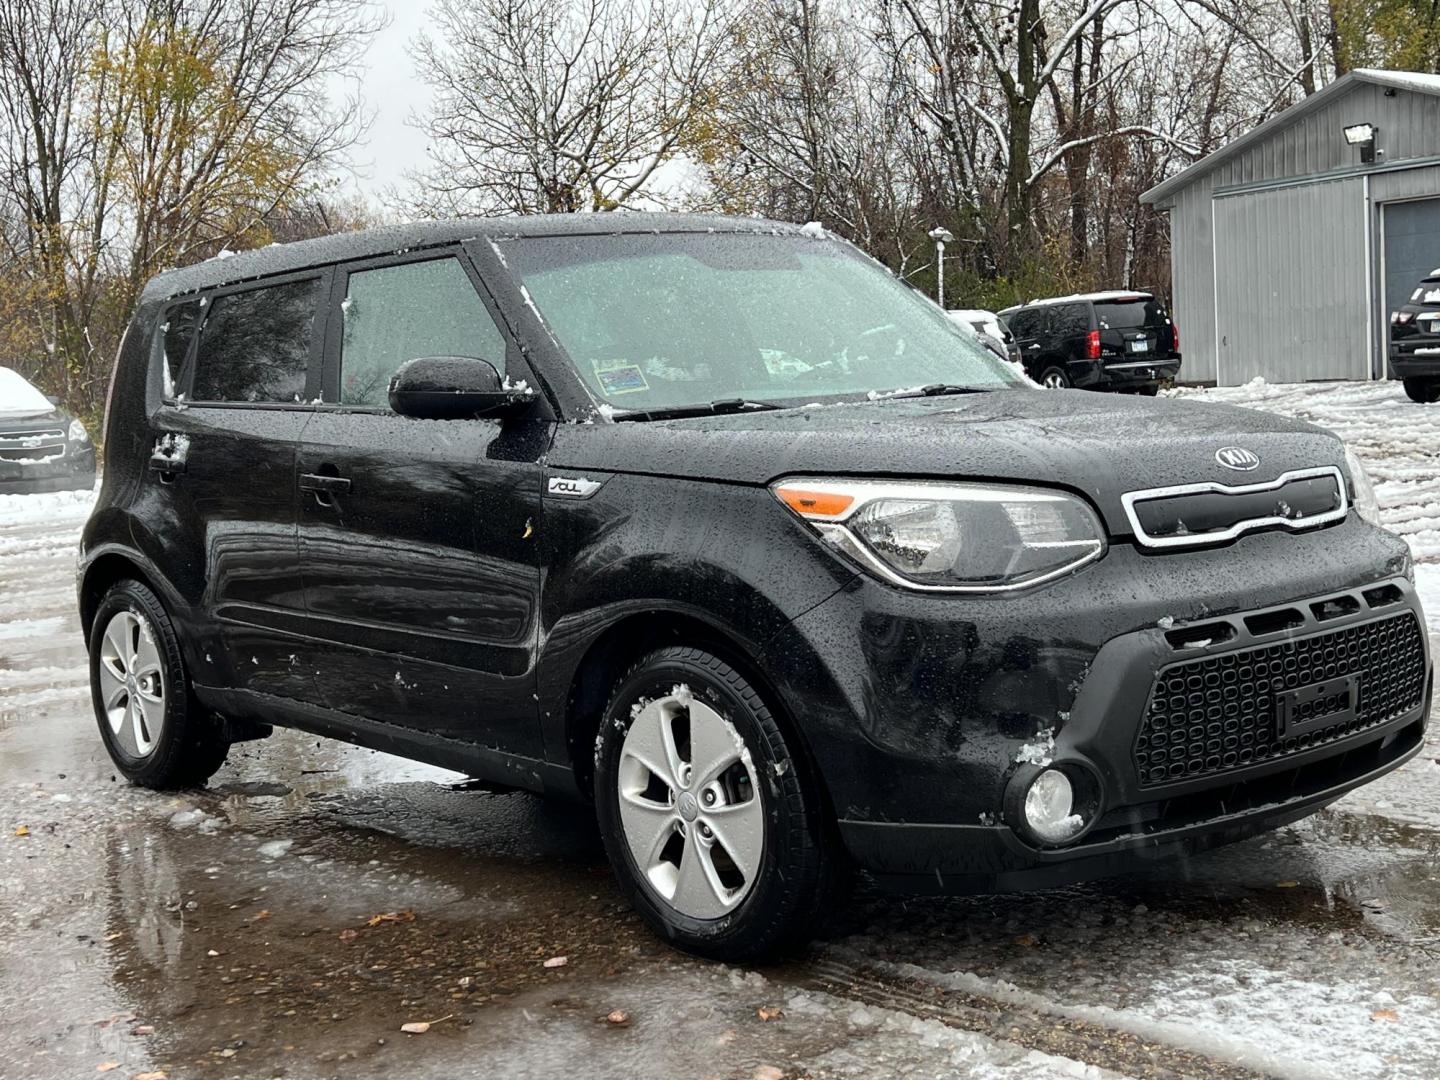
(562, 105)
(140, 136)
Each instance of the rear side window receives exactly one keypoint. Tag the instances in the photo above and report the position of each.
(399, 313)
(255, 345)
(1068, 320)
(1130, 314)
(173, 336)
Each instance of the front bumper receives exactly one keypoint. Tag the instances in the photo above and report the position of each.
(938, 698)
(75, 469)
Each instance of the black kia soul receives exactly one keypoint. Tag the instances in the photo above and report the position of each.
(719, 525)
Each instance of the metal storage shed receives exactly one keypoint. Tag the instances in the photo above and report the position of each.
(1289, 250)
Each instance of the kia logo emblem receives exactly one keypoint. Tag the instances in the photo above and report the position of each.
(1237, 458)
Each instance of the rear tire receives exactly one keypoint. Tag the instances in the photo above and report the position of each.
(1055, 377)
(715, 833)
(152, 726)
(1423, 391)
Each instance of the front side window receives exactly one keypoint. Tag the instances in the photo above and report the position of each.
(255, 345)
(680, 319)
(399, 313)
(1026, 323)
(171, 348)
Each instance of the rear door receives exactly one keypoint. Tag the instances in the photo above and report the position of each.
(221, 478)
(416, 536)
(1134, 328)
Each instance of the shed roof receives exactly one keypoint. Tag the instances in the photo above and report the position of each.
(1413, 81)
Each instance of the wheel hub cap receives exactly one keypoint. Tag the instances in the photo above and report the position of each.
(676, 749)
(132, 683)
(687, 806)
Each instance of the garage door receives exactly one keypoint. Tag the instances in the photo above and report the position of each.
(1412, 247)
(1290, 289)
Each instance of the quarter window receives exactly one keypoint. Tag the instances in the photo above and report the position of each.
(255, 345)
(1068, 320)
(399, 313)
(173, 336)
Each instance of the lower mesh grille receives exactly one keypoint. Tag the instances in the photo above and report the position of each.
(1216, 713)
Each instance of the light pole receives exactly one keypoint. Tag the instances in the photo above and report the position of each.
(941, 236)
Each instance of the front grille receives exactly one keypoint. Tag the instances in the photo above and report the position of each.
(1209, 512)
(31, 445)
(1222, 712)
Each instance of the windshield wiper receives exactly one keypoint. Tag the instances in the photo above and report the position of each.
(719, 407)
(931, 390)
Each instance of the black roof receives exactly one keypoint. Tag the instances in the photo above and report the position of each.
(369, 243)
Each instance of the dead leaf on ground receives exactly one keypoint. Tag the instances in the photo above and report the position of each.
(1029, 941)
(618, 1018)
(391, 916)
(557, 961)
(767, 1072)
(769, 1012)
(263, 914)
(156, 1075)
(143, 1029)
(349, 934)
(1287, 884)
(1385, 1014)
(417, 1028)
(116, 935)
(22, 830)
(106, 1066)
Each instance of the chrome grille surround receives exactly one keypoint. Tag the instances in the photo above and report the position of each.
(1131, 500)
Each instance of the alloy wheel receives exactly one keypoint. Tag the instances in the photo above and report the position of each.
(1053, 380)
(691, 810)
(132, 683)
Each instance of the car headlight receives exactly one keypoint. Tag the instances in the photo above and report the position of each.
(1361, 490)
(77, 432)
(950, 537)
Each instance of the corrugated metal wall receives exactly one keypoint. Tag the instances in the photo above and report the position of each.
(1291, 284)
(1192, 275)
(1303, 244)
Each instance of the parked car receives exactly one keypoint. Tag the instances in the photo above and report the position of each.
(1415, 341)
(42, 447)
(993, 333)
(719, 525)
(1098, 341)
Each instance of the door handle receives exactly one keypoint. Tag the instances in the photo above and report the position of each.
(324, 485)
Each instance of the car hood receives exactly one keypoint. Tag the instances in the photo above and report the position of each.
(26, 419)
(1099, 445)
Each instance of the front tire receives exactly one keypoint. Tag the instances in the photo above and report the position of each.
(1423, 391)
(716, 836)
(156, 733)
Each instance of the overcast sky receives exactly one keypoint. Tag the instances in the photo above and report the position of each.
(392, 93)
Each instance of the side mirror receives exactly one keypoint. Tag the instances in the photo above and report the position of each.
(455, 388)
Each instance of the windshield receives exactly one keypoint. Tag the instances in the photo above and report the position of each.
(1130, 314)
(674, 319)
(19, 398)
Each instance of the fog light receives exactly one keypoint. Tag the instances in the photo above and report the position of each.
(1050, 807)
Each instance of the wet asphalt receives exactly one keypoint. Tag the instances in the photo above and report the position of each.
(287, 920)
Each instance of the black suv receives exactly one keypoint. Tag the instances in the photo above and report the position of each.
(718, 524)
(1415, 341)
(42, 447)
(1099, 341)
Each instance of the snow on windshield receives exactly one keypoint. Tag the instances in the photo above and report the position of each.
(680, 319)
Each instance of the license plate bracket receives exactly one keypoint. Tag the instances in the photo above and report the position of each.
(1318, 705)
(1140, 346)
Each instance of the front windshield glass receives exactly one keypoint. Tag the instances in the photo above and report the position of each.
(668, 320)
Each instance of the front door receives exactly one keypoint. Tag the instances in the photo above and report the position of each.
(416, 536)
